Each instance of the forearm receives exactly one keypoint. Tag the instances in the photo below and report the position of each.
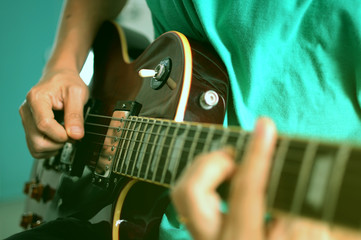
(79, 23)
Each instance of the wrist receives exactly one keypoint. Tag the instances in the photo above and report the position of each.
(61, 60)
(65, 74)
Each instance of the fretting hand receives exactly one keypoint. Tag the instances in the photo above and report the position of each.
(196, 199)
(198, 203)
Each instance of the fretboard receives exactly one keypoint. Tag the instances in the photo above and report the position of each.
(158, 150)
(309, 177)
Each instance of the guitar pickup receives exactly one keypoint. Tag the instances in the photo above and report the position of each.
(113, 138)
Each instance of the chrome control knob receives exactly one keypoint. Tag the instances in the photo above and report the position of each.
(209, 99)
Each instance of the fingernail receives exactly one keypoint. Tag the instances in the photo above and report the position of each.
(264, 128)
(75, 130)
(259, 128)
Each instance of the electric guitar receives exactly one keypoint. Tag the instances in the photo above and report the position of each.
(146, 121)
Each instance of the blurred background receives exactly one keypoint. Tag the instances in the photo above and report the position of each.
(27, 31)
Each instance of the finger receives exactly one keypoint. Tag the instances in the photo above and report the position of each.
(41, 108)
(298, 228)
(246, 202)
(39, 144)
(339, 232)
(195, 195)
(293, 228)
(74, 100)
(210, 170)
(37, 141)
(45, 155)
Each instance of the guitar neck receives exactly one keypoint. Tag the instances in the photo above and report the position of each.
(159, 150)
(310, 178)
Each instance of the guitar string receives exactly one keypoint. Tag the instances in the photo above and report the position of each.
(131, 131)
(201, 140)
(154, 121)
(288, 169)
(149, 145)
(185, 139)
(235, 131)
(141, 132)
(183, 124)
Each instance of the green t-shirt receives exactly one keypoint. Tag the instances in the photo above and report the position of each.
(297, 62)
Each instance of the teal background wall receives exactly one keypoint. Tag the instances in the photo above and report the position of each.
(27, 30)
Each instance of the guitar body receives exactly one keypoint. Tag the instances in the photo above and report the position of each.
(195, 70)
(187, 70)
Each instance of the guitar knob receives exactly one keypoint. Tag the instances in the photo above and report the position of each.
(26, 221)
(36, 191)
(48, 193)
(208, 100)
(27, 187)
(30, 220)
(39, 192)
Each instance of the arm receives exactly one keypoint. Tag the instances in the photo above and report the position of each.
(79, 24)
(60, 87)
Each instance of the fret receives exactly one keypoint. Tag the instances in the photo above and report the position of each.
(289, 175)
(275, 176)
(159, 148)
(304, 174)
(132, 145)
(209, 137)
(317, 184)
(158, 127)
(232, 138)
(348, 207)
(139, 140)
(125, 133)
(126, 149)
(174, 171)
(200, 144)
(224, 138)
(216, 139)
(240, 145)
(335, 180)
(143, 151)
(118, 148)
(170, 150)
(193, 145)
